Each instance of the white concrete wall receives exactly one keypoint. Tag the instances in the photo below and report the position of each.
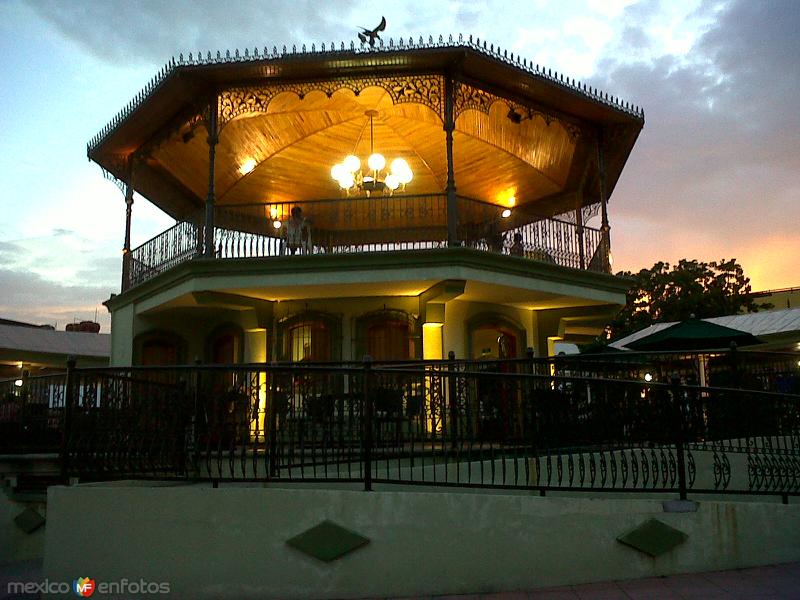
(122, 333)
(230, 542)
(15, 544)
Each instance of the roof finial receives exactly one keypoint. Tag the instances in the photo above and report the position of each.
(370, 35)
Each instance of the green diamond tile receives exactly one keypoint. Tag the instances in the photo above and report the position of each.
(327, 541)
(653, 537)
(29, 520)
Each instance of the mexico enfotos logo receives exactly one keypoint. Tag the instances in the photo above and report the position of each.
(86, 587)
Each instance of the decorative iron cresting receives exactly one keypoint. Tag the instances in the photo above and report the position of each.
(427, 90)
(257, 55)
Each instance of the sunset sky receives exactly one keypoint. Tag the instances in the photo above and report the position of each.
(715, 174)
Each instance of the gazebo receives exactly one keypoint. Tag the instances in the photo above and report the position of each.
(489, 172)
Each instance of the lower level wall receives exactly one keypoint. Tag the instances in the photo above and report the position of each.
(231, 542)
(15, 544)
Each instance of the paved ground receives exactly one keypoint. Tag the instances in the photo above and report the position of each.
(776, 582)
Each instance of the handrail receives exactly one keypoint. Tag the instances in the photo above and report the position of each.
(367, 225)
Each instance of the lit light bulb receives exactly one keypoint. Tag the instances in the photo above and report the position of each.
(376, 161)
(18, 383)
(351, 164)
(405, 177)
(347, 181)
(392, 182)
(276, 224)
(247, 166)
(506, 213)
(399, 165)
(338, 171)
(648, 377)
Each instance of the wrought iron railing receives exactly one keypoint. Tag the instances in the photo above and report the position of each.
(32, 414)
(177, 244)
(747, 369)
(366, 225)
(484, 424)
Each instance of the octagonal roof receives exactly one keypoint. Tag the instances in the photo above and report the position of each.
(292, 115)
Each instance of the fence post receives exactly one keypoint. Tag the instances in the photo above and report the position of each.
(272, 415)
(186, 419)
(678, 429)
(735, 366)
(196, 421)
(68, 415)
(452, 398)
(367, 421)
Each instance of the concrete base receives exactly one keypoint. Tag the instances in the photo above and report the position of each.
(231, 542)
(15, 544)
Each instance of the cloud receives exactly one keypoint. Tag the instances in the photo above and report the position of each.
(717, 164)
(9, 249)
(149, 32)
(65, 257)
(153, 30)
(29, 297)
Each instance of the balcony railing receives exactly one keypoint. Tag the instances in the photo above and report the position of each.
(519, 424)
(365, 225)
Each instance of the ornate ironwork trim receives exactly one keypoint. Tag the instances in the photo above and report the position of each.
(427, 90)
(468, 97)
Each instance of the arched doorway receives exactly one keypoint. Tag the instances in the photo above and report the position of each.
(224, 345)
(495, 337)
(309, 397)
(159, 348)
(387, 335)
(496, 340)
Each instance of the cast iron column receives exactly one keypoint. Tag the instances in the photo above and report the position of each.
(212, 152)
(605, 227)
(449, 126)
(126, 249)
(579, 233)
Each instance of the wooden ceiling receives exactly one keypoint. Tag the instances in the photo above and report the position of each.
(542, 155)
(295, 140)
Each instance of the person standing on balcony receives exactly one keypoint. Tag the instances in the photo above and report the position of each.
(297, 233)
(517, 248)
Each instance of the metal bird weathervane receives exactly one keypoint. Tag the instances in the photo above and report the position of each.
(372, 34)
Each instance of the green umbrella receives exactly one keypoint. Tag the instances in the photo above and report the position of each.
(694, 334)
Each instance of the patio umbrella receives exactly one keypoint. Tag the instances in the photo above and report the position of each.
(694, 334)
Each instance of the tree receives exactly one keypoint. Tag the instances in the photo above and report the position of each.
(690, 288)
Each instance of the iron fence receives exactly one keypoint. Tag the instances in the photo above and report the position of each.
(32, 414)
(490, 424)
(747, 369)
(366, 225)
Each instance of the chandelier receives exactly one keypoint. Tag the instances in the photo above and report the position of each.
(376, 178)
